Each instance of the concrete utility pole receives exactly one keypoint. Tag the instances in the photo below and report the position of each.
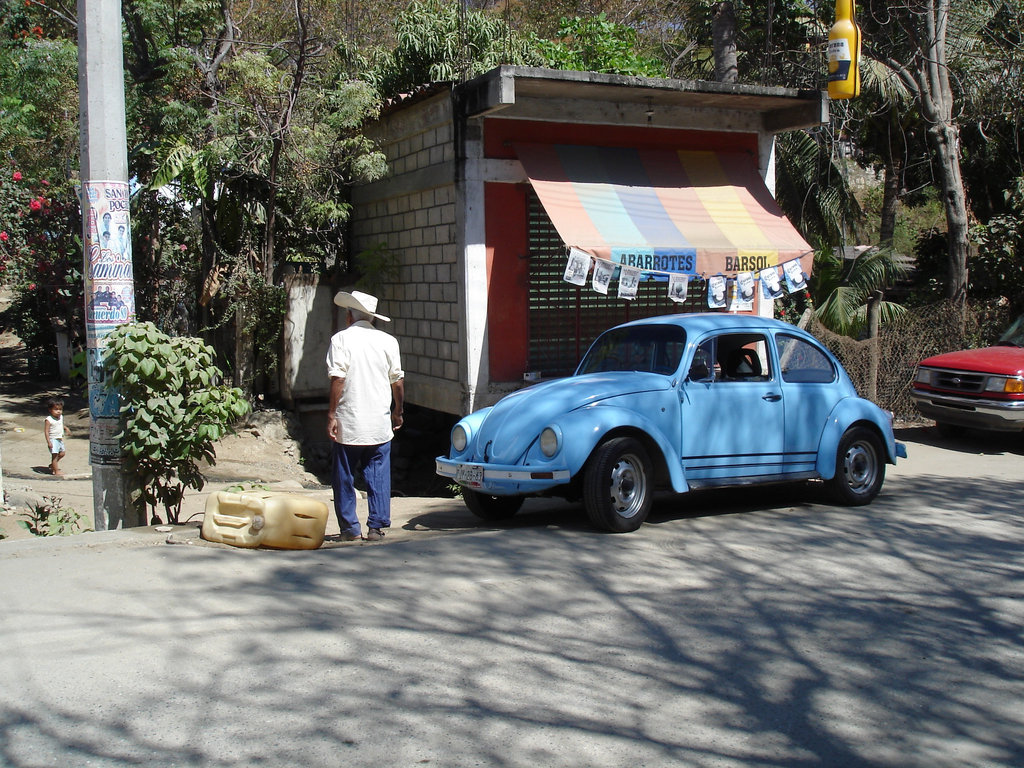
(106, 242)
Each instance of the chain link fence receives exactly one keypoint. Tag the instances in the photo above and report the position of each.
(883, 368)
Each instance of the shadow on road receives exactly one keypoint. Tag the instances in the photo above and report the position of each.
(972, 441)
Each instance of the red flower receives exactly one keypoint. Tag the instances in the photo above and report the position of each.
(31, 286)
(4, 237)
(44, 182)
(17, 176)
(35, 205)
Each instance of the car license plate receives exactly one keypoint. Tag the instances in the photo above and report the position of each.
(469, 474)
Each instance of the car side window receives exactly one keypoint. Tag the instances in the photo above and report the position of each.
(743, 357)
(802, 362)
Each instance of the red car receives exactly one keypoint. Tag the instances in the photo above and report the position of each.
(979, 388)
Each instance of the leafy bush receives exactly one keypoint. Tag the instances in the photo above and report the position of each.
(596, 44)
(174, 409)
(51, 518)
(931, 267)
(997, 269)
(40, 257)
(437, 42)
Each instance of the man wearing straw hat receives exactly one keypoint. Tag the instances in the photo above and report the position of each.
(366, 401)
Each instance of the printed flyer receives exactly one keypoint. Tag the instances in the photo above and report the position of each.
(109, 302)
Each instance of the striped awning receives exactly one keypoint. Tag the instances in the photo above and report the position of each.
(690, 212)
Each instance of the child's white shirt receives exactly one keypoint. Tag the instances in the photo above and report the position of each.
(55, 427)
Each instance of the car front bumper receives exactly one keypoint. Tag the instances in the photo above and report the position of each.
(501, 479)
(999, 415)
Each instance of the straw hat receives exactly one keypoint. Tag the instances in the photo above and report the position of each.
(363, 302)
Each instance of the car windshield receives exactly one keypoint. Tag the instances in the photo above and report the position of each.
(647, 348)
(1014, 336)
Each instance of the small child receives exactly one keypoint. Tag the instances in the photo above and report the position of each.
(53, 431)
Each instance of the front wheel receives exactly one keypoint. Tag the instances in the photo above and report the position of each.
(488, 507)
(860, 468)
(617, 485)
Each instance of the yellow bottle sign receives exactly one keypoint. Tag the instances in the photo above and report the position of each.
(844, 53)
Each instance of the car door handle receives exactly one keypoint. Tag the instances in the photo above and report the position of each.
(772, 397)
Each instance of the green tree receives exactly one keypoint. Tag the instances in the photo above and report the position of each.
(842, 288)
(998, 269)
(38, 94)
(255, 115)
(596, 44)
(40, 250)
(775, 44)
(813, 189)
(435, 41)
(923, 44)
(40, 258)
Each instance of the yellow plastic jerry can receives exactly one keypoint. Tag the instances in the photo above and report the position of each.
(264, 519)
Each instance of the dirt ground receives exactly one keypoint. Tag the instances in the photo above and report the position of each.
(271, 449)
(262, 452)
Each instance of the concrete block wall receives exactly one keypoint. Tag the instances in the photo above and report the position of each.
(412, 213)
(308, 327)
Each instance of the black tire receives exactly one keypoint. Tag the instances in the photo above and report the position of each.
(618, 485)
(860, 468)
(488, 507)
(950, 430)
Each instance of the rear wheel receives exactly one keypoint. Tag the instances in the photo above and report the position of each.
(617, 485)
(860, 468)
(488, 507)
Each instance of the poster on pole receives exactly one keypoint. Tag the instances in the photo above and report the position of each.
(109, 302)
(110, 283)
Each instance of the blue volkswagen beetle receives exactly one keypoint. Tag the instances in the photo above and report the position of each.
(675, 402)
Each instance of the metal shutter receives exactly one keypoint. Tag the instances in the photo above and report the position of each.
(564, 319)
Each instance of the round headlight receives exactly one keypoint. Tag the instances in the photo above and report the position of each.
(459, 438)
(549, 442)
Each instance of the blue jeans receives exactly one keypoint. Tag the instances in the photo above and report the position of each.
(375, 461)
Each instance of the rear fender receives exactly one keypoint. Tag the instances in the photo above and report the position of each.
(847, 413)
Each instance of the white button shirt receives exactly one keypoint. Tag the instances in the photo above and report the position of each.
(369, 361)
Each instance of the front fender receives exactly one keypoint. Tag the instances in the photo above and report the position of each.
(471, 423)
(845, 414)
(585, 428)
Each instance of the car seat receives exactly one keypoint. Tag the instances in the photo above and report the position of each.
(743, 363)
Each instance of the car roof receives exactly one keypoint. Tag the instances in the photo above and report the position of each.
(704, 322)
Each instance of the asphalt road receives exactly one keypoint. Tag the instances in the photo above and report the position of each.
(740, 628)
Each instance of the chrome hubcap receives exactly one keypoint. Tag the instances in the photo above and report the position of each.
(628, 486)
(860, 467)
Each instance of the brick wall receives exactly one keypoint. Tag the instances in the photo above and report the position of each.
(413, 214)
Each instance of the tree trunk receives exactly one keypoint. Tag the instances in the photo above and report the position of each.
(927, 77)
(723, 31)
(892, 184)
(874, 305)
(954, 199)
(269, 257)
(890, 205)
